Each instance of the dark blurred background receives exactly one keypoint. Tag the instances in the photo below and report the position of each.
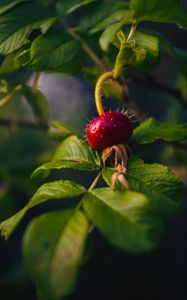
(108, 273)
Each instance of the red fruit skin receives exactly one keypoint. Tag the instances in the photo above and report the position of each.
(108, 129)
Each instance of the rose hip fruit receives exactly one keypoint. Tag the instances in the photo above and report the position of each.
(108, 129)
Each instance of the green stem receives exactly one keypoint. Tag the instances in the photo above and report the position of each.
(9, 97)
(92, 186)
(131, 32)
(98, 90)
(36, 80)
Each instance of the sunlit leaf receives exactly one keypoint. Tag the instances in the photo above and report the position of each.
(124, 218)
(72, 153)
(61, 189)
(152, 130)
(156, 181)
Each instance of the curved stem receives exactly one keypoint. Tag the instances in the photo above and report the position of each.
(98, 90)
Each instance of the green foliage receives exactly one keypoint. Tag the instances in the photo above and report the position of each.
(72, 153)
(124, 218)
(169, 11)
(38, 103)
(51, 51)
(49, 191)
(152, 130)
(59, 38)
(17, 24)
(67, 7)
(156, 181)
(56, 241)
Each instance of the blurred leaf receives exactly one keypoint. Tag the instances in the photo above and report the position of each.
(168, 11)
(67, 7)
(156, 181)
(3, 86)
(100, 11)
(123, 217)
(37, 102)
(152, 130)
(56, 242)
(72, 153)
(61, 189)
(8, 4)
(17, 24)
(8, 65)
(22, 56)
(52, 50)
(59, 130)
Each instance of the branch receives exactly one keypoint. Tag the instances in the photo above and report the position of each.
(24, 124)
(150, 82)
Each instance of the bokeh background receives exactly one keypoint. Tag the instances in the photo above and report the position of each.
(108, 272)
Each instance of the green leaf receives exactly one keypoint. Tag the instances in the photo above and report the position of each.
(17, 24)
(72, 153)
(100, 11)
(168, 11)
(38, 103)
(156, 181)
(5, 5)
(8, 65)
(123, 217)
(52, 50)
(59, 131)
(69, 6)
(152, 130)
(129, 54)
(56, 241)
(61, 189)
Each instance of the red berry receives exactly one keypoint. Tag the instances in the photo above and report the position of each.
(108, 129)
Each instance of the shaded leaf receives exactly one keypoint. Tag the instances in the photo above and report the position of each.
(8, 65)
(5, 5)
(17, 24)
(123, 217)
(152, 130)
(52, 50)
(38, 103)
(67, 7)
(100, 11)
(156, 181)
(61, 189)
(72, 153)
(168, 11)
(56, 242)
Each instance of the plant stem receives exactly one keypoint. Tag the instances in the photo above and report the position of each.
(98, 91)
(132, 31)
(36, 80)
(92, 186)
(85, 46)
(9, 97)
